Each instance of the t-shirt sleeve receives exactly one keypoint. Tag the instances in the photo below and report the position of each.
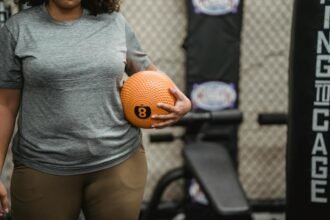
(10, 65)
(137, 59)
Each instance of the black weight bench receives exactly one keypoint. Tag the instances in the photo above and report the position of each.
(210, 164)
(213, 169)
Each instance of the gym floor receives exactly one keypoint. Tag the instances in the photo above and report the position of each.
(258, 216)
(268, 216)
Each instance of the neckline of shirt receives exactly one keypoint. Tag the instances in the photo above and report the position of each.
(64, 23)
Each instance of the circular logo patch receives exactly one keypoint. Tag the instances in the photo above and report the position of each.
(213, 95)
(142, 112)
(215, 7)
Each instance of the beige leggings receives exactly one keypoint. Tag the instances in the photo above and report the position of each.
(111, 194)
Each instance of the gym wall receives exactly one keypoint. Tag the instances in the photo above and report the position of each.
(264, 88)
(161, 27)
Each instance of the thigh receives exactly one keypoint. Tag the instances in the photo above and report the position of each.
(37, 195)
(117, 193)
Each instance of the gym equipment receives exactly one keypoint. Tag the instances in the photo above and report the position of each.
(308, 179)
(212, 53)
(273, 118)
(140, 94)
(4, 13)
(274, 205)
(211, 165)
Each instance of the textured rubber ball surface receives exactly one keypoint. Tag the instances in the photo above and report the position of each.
(140, 94)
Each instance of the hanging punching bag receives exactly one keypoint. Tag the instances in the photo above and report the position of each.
(308, 191)
(212, 52)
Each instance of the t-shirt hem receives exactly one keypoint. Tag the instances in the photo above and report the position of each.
(67, 171)
(10, 86)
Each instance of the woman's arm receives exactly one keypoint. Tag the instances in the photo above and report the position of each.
(175, 113)
(9, 105)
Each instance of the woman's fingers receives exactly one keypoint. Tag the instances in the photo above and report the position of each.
(3, 200)
(169, 108)
(176, 112)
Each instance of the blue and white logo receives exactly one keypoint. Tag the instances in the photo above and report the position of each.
(213, 96)
(215, 7)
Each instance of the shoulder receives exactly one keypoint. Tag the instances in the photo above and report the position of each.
(26, 16)
(119, 16)
(113, 17)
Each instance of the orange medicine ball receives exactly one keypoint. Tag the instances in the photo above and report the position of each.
(140, 94)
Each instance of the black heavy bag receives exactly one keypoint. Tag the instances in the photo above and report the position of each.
(308, 195)
(212, 44)
(212, 51)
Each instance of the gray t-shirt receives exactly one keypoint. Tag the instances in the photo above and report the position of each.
(70, 119)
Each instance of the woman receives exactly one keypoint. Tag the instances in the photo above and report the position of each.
(61, 63)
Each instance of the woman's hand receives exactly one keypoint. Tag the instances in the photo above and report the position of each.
(4, 209)
(175, 113)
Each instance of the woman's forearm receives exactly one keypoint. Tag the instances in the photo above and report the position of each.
(9, 105)
(7, 125)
